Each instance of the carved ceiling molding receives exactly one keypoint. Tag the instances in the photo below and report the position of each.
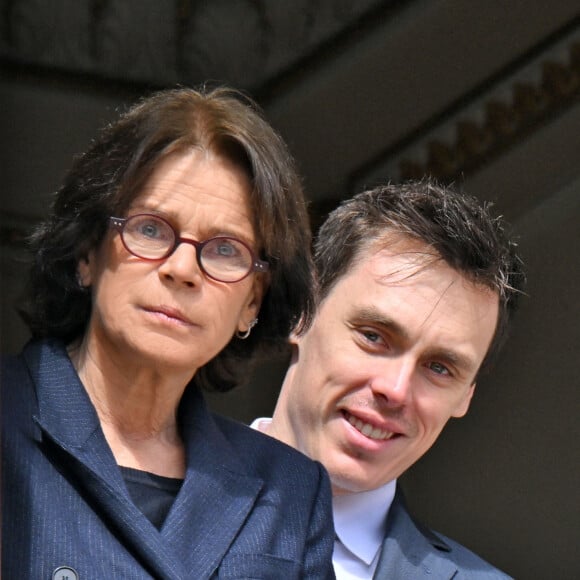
(485, 127)
(158, 43)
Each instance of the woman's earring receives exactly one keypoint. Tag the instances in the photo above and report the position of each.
(81, 283)
(244, 335)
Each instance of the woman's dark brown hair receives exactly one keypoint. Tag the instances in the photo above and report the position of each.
(104, 181)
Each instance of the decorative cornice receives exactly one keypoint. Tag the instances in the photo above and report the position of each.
(483, 128)
(151, 43)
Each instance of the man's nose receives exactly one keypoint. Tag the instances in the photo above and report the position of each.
(393, 380)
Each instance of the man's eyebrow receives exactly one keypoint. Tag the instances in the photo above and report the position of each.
(372, 315)
(462, 362)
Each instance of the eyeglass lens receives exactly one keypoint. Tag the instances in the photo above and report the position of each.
(223, 258)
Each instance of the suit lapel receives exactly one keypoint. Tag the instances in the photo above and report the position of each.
(217, 489)
(215, 499)
(409, 551)
(108, 495)
(74, 440)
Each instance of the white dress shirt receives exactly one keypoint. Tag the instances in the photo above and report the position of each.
(359, 523)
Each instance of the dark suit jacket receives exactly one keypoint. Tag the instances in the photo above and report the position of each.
(249, 507)
(411, 551)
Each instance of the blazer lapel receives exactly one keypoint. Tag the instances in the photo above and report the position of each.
(409, 551)
(215, 499)
(73, 437)
(217, 490)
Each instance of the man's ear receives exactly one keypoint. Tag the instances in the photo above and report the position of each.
(293, 339)
(463, 405)
(299, 332)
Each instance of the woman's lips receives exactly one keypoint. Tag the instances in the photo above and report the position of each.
(169, 313)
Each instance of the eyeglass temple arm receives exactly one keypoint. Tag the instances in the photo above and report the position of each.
(117, 222)
(261, 266)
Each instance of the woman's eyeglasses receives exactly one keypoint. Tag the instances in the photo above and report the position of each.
(222, 258)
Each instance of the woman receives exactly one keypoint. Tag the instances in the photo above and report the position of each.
(180, 228)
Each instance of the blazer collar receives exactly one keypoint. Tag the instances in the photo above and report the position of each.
(64, 408)
(411, 551)
(216, 496)
(218, 489)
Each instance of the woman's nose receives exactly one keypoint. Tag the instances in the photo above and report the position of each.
(182, 266)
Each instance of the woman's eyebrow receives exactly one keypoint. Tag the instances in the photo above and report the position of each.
(172, 216)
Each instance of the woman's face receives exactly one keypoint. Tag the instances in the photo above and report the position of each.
(168, 313)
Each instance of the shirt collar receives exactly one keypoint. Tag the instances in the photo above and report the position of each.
(360, 519)
(261, 424)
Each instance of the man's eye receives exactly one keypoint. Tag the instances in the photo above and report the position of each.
(370, 336)
(439, 369)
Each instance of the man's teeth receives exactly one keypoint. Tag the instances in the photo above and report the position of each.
(368, 430)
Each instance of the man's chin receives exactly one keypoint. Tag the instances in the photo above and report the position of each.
(347, 484)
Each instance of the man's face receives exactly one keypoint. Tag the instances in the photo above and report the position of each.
(391, 356)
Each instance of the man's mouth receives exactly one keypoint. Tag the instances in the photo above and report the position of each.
(367, 429)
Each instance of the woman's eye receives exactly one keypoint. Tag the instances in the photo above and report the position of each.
(226, 250)
(150, 230)
(218, 249)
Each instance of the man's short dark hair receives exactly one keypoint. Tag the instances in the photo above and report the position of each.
(459, 228)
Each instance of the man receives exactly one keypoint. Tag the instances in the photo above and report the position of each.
(417, 285)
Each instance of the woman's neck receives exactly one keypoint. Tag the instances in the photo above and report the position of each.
(137, 409)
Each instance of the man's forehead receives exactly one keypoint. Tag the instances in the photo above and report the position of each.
(409, 266)
(401, 257)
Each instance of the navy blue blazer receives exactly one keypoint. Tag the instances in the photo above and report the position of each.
(249, 506)
(411, 551)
